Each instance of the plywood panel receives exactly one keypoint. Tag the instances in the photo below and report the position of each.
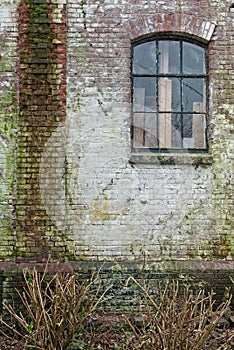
(198, 128)
(138, 120)
(165, 97)
(138, 130)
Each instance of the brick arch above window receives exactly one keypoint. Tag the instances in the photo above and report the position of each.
(174, 23)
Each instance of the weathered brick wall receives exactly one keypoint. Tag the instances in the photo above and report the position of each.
(69, 185)
(42, 47)
(117, 209)
(8, 124)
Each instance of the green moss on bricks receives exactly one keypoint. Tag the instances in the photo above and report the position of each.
(40, 10)
(8, 127)
(217, 250)
(42, 76)
(6, 65)
(221, 148)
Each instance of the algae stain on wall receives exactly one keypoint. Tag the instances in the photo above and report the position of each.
(213, 209)
(222, 147)
(42, 43)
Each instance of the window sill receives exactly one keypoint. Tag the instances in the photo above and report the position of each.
(172, 159)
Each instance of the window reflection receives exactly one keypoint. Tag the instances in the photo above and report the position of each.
(144, 58)
(193, 59)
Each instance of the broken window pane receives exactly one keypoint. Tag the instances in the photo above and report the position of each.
(193, 91)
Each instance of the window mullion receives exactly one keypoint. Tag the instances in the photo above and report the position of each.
(181, 93)
(157, 94)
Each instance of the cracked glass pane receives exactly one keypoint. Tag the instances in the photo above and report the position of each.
(193, 92)
(144, 58)
(193, 59)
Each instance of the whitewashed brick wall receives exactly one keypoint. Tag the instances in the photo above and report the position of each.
(120, 210)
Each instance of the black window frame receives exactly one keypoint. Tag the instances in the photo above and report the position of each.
(180, 76)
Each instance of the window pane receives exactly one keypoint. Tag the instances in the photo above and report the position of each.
(169, 94)
(199, 130)
(194, 127)
(176, 139)
(144, 58)
(164, 130)
(193, 94)
(187, 126)
(169, 56)
(193, 59)
(138, 130)
(176, 95)
(150, 130)
(144, 94)
(145, 130)
(169, 99)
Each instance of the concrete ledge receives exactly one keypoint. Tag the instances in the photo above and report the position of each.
(124, 266)
(171, 159)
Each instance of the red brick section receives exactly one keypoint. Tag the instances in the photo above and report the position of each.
(42, 83)
(171, 23)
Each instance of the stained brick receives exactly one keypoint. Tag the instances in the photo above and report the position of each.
(68, 186)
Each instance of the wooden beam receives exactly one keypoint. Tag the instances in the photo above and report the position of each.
(165, 97)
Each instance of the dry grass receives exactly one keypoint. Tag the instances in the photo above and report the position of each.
(62, 314)
(55, 309)
(178, 318)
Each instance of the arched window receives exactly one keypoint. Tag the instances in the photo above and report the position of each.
(169, 93)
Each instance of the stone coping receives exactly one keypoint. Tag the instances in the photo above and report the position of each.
(171, 159)
(124, 266)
